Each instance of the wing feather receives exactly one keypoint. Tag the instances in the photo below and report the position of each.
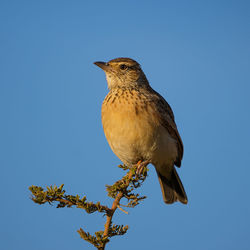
(167, 120)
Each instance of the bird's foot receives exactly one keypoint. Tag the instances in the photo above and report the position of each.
(140, 166)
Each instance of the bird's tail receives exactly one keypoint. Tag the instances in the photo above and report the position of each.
(172, 188)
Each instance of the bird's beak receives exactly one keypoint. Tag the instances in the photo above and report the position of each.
(104, 66)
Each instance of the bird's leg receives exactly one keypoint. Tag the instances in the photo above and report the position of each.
(141, 165)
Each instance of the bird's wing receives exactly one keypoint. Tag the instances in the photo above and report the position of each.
(167, 120)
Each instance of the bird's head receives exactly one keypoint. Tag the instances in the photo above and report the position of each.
(123, 72)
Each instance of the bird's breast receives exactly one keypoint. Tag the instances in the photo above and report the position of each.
(128, 124)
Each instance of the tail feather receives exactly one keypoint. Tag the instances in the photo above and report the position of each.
(172, 188)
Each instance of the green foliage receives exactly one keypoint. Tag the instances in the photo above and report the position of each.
(54, 193)
(98, 240)
(122, 186)
(121, 189)
(117, 230)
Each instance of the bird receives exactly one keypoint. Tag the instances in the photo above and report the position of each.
(140, 127)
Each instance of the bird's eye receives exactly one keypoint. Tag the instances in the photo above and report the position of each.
(123, 67)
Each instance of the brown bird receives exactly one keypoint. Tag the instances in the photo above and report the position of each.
(139, 125)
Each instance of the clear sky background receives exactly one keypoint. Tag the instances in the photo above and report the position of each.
(195, 53)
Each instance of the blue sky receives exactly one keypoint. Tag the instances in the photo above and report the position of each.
(195, 53)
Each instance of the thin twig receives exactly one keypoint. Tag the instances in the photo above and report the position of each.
(124, 211)
(114, 207)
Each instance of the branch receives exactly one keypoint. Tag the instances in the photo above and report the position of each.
(57, 194)
(121, 189)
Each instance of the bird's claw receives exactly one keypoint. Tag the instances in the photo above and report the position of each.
(140, 167)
